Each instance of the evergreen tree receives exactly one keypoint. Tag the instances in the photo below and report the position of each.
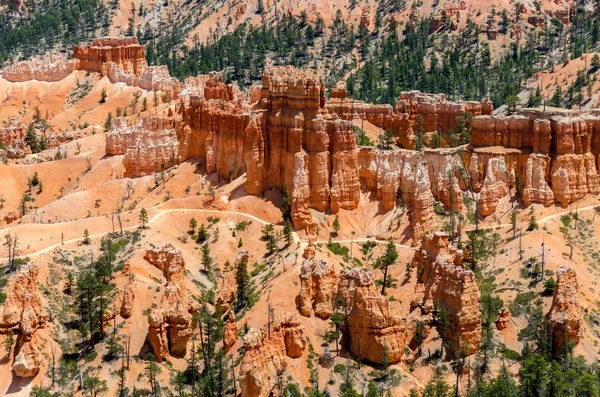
(385, 261)
(207, 260)
(143, 217)
(288, 233)
(242, 278)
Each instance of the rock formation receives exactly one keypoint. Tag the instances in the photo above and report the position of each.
(170, 322)
(503, 319)
(552, 154)
(34, 69)
(226, 293)
(15, 132)
(288, 327)
(149, 146)
(293, 141)
(376, 332)
(318, 288)
(126, 53)
(399, 174)
(126, 298)
(289, 136)
(24, 313)
(230, 333)
(564, 317)
(373, 327)
(265, 358)
(444, 282)
(213, 125)
(151, 78)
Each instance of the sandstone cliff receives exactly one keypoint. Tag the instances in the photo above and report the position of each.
(564, 317)
(37, 70)
(396, 174)
(444, 282)
(23, 313)
(213, 127)
(294, 141)
(126, 53)
(551, 154)
(170, 322)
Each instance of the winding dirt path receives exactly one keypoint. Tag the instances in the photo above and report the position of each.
(165, 212)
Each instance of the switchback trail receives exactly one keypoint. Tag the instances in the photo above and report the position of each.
(162, 212)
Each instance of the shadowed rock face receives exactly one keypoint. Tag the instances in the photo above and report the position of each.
(444, 282)
(24, 313)
(564, 317)
(170, 322)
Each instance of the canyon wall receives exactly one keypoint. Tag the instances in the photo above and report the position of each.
(213, 127)
(430, 113)
(293, 141)
(34, 69)
(551, 155)
(291, 137)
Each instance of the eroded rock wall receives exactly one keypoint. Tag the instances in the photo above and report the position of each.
(564, 317)
(34, 69)
(266, 357)
(214, 128)
(444, 282)
(125, 52)
(149, 146)
(170, 322)
(294, 141)
(24, 313)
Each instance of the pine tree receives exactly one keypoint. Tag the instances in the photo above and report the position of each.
(143, 217)
(206, 258)
(193, 225)
(336, 225)
(242, 278)
(385, 261)
(288, 233)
